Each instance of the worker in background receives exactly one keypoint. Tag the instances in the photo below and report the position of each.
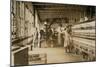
(66, 39)
(60, 30)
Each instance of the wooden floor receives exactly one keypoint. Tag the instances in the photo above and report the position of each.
(56, 55)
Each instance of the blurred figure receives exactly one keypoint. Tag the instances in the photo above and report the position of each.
(60, 30)
(41, 36)
(68, 42)
(66, 39)
(41, 33)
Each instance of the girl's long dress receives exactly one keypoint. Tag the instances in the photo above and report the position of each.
(66, 39)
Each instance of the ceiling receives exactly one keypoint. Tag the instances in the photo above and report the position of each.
(52, 12)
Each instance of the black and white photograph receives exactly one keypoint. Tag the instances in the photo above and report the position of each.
(51, 33)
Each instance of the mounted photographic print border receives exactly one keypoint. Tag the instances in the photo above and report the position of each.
(52, 33)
